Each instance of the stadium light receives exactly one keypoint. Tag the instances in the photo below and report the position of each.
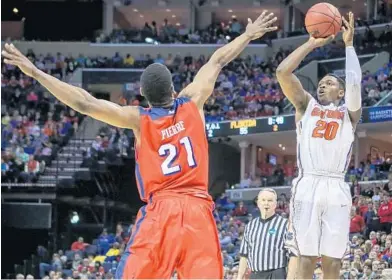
(74, 218)
(149, 40)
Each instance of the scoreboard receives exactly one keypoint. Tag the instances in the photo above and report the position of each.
(283, 123)
(250, 126)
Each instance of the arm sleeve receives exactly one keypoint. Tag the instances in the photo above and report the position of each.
(244, 248)
(353, 97)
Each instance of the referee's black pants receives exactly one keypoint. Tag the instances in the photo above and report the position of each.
(279, 273)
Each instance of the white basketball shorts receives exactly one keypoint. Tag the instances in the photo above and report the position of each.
(320, 215)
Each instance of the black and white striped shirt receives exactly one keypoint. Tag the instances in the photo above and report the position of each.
(263, 243)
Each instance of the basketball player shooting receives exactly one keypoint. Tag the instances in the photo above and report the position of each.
(176, 229)
(321, 200)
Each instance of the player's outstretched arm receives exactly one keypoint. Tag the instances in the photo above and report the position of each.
(203, 83)
(353, 98)
(74, 97)
(290, 84)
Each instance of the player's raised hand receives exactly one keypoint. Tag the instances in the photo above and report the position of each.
(263, 24)
(14, 57)
(348, 30)
(319, 42)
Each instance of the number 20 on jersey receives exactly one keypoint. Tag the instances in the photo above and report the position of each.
(326, 130)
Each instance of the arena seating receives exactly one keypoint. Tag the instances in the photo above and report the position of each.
(246, 88)
(34, 127)
(219, 33)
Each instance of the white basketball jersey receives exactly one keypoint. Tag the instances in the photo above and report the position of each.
(325, 137)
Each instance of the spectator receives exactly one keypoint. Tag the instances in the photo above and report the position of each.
(159, 59)
(77, 260)
(385, 213)
(362, 206)
(386, 36)
(4, 170)
(282, 207)
(376, 197)
(279, 174)
(129, 60)
(367, 272)
(372, 220)
(78, 245)
(111, 254)
(236, 27)
(56, 265)
(241, 210)
(96, 150)
(105, 241)
(357, 223)
(246, 181)
(120, 233)
(346, 269)
(255, 182)
(227, 259)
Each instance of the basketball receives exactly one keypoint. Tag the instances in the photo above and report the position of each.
(323, 20)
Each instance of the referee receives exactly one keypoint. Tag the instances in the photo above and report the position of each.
(262, 246)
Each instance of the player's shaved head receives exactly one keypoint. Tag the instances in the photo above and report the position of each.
(342, 83)
(156, 85)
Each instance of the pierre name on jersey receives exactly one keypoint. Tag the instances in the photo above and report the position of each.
(172, 130)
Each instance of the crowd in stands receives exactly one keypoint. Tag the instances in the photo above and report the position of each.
(33, 127)
(373, 168)
(216, 33)
(82, 260)
(34, 122)
(246, 88)
(267, 174)
(110, 139)
(375, 87)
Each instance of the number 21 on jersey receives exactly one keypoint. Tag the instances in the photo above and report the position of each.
(326, 130)
(170, 152)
